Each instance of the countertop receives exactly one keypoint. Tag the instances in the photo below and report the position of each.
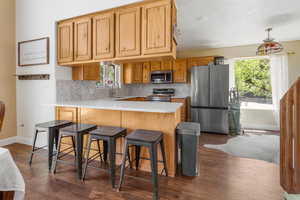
(118, 104)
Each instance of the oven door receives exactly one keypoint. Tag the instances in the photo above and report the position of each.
(161, 77)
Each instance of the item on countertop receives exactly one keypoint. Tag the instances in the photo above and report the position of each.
(219, 60)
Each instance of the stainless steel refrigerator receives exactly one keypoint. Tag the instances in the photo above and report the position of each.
(209, 97)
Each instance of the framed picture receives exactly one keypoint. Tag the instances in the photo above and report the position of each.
(33, 52)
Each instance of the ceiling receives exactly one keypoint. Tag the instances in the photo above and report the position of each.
(224, 23)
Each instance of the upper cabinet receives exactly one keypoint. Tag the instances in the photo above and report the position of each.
(167, 65)
(157, 27)
(103, 36)
(146, 72)
(82, 39)
(128, 30)
(65, 42)
(155, 66)
(200, 61)
(133, 73)
(180, 71)
(135, 32)
(89, 72)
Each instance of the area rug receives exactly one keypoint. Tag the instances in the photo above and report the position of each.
(255, 146)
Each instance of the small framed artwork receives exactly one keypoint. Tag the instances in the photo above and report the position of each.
(33, 52)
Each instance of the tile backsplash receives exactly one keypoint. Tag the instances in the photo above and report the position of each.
(68, 90)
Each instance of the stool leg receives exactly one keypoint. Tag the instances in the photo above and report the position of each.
(99, 150)
(129, 159)
(33, 146)
(153, 156)
(162, 147)
(105, 150)
(57, 154)
(87, 157)
(123, 165)
(73, 144)
(112, 159)
(137, 156)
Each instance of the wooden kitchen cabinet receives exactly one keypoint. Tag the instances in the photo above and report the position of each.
(156, 27)
(138, 73)
(65, 42)
(130, 33)
(103, 36)
(68, 113)
(146, 72)
(128, 29)
(200, 61)
(155, 65)
(180, 71)
(89, 72)
(184, 116)
(167, 65)
(83, 39)
(133, 73)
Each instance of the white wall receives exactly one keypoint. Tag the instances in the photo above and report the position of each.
(36, 19)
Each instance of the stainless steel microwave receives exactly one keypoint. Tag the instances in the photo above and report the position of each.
(161, 77)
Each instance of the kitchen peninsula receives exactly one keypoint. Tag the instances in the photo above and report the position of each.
(159, 116)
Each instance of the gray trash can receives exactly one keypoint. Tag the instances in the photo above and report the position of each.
(188, 140)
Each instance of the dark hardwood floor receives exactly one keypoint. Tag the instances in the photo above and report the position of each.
(222, 177)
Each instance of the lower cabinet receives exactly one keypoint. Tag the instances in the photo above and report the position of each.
(68, 113)
(184, 108)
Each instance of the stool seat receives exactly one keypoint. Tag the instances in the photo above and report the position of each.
(109, 131)
(78, 128)
(145, 136)
(53, 124)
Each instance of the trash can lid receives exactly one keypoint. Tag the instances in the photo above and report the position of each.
(189, 128)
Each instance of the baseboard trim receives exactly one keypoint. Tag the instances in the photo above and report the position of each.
(16, 139)
(260, 127)
(8, 141)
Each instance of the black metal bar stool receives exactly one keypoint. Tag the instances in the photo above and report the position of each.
(109, 136)
(148, 139)
(52, 128)
(77, 131)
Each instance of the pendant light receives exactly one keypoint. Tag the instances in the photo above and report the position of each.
(269, 46)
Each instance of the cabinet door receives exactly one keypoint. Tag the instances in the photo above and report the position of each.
(83, 39)
(128, 27)
(200, 61)
(103, 36)
(183, 107)
(157, 28)
(128, 73)
(167, 65)
(68, 113)
(146, 72)
(155, 65)
(91, 72)
(88, 71)
(180, 71)
(65, 42)
(138, 73)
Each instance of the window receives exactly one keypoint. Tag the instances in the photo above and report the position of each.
(110, 76)
(253, 80)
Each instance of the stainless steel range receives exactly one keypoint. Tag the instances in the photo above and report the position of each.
(161, 94)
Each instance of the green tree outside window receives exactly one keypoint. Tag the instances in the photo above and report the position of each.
(253, 79)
